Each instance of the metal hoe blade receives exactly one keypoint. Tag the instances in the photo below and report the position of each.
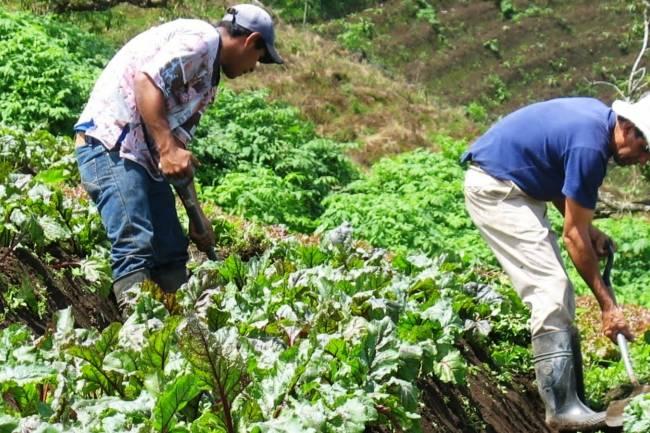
(617, 407)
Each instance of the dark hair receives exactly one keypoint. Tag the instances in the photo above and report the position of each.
(235, 31)
(637, 131)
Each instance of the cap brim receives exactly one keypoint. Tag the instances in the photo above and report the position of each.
(271, 56)
(627, 110)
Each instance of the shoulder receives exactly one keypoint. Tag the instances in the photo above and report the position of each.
(192, 27)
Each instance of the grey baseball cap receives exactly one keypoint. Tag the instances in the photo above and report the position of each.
(256, 19)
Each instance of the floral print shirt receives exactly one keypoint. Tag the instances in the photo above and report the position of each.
(181, 59)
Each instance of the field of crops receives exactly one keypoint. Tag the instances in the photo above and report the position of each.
(340, 291)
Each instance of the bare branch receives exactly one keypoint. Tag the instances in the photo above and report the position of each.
(612, 85)
(632, 83)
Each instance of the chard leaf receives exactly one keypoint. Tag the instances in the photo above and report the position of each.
(94, 371)
(26, 374)
(173, 399)
(91, 412)
(7, 424)
(156, 354)
(451, 368)
(216, 361)
(52, 230)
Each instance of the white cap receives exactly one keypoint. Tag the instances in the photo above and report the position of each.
(637, 113)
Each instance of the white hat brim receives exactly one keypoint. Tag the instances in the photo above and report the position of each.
(627, 110)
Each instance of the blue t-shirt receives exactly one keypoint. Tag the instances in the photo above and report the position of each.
(553, 149)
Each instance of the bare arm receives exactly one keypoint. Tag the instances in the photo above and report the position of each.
(578, 238)
(175, 160)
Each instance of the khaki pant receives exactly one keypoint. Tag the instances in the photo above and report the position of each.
(518, 232)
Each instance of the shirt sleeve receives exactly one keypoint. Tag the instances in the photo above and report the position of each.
(183, 59)
(585, 169)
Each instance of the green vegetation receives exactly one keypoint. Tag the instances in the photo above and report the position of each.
(629, 273)
(41, 214)
(302, 336)
(325, 333)
(637, 415)
(412, 201)
(47, 71)
(261, 159)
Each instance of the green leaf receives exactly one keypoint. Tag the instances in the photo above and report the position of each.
(216, 362)
(94, 372)
(176, 395)
(52, 176)
(451, 368)
(52, 230)
(156, 353)
(24, 374)
(7, 424)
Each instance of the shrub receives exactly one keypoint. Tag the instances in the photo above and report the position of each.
(414, 201)
(260, 194)
(47, 71)
(243, 133)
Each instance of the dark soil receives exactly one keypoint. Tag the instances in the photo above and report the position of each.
(60, 289)
(483, 405)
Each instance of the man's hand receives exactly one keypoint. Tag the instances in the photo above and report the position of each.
(600, 242)
(177, 162)
(614, 323)
(203, 240)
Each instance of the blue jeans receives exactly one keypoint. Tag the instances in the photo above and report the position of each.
(138, 213)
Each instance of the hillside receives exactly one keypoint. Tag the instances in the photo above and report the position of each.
(500, 54)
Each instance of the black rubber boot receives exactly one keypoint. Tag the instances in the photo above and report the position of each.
(126, 289)
(577, 363)
(170, 279)
(556, 377)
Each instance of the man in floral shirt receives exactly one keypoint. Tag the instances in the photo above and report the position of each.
(132, 133)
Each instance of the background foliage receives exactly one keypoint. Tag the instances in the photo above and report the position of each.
(47, 71)
(261, 159)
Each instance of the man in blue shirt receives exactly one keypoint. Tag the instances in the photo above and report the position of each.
(554, 151)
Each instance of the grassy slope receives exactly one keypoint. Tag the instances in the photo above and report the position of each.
(546, 49)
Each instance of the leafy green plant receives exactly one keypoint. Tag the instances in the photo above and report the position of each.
(499, 89)
(493, 46)
(357, 36)
(637, 415)
(47, 71)
(247, 139)
(261, 194)
(629, 276)
(427, 13)
(477, 112)
(507, 9)
(44, 216)
(412, 201)
(326, 338)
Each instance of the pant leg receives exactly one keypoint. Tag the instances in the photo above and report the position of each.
(120, 189)
(516, 228)
(169, 241)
